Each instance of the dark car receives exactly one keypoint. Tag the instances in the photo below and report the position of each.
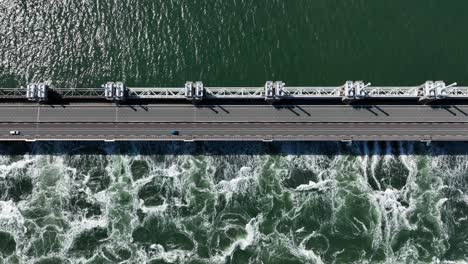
(174, 132)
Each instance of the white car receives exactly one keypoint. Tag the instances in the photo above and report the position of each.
(14, 132)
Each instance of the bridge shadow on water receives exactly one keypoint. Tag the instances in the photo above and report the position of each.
(59, 148)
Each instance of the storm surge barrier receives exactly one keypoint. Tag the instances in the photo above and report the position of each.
(272, 91)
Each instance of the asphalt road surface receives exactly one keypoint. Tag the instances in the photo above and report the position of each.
(233, 122)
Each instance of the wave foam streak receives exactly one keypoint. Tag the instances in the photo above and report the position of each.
(191, 203)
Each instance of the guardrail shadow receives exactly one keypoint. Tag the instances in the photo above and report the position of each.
(216, 108)
(452, 109)
(295, 109)
(373, 109)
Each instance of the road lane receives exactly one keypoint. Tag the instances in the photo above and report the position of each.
(231, 113)
(233, 122)
(236, 131)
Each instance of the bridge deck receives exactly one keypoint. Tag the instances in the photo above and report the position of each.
(233, 122)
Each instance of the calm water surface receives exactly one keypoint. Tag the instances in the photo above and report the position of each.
(224, 202)
(227, 42)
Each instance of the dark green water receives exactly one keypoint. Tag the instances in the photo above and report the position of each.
(233, 202)
(232, 42)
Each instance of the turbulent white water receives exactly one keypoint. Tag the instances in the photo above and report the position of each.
(236, 203)
(232, 202)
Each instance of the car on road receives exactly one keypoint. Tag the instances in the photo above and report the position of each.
(174, 132)
(14, 132)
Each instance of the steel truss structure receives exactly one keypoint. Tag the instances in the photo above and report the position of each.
(271, 91)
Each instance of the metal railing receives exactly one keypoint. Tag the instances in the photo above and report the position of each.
(273, 91)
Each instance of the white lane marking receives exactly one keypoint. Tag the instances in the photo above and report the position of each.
(38, 113)
(116, 115)
(244, 122)
(38, 117)
(224, 138)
